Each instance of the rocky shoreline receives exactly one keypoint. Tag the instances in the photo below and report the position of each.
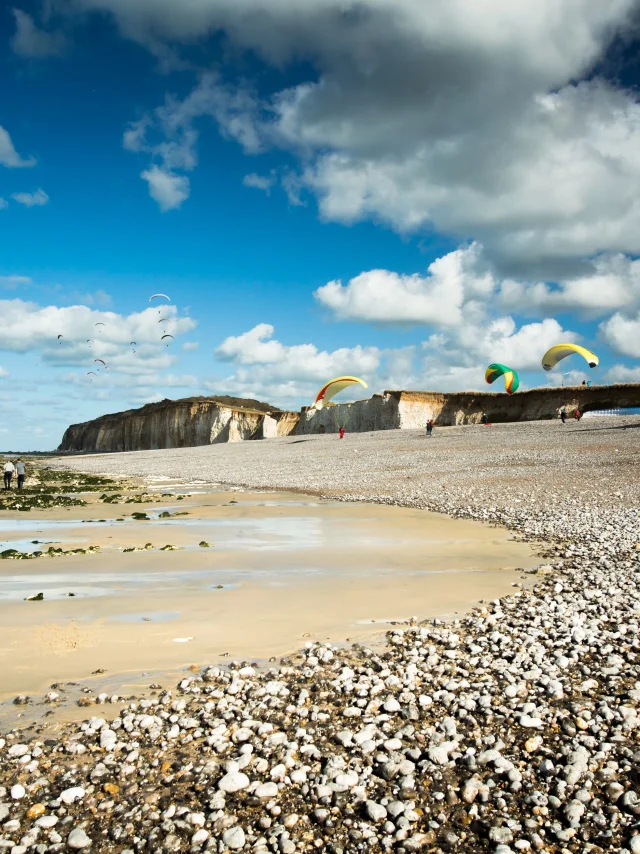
(514, 728)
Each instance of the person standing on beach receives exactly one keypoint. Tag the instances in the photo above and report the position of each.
(563, 415)
(9, 470)
(429, 427)
(342, 432)
(21, 472)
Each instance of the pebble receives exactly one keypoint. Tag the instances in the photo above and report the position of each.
(78, 840)
(234, 838)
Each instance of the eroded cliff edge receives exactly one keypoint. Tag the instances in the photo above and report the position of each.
(209, 420)
(179, 424)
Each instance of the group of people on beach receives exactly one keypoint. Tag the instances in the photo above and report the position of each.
(563, 415)
(11, 468)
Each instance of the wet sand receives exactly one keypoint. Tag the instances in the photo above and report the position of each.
(282, 569)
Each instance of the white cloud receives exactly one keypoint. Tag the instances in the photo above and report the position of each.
(10, 283)
(3, 204)
(450, 360)
(190, 345)
(623, 374)
(30, 42)
(455, 282)
(3, 372)
(38, 198)
(268, 369)
(259, 182)
(30, 327)
(610, 282)
(166, 188)
(454, 115)
(623, 333)
(9, 157)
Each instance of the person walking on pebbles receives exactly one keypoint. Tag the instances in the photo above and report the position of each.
(9, 471)
(21, 472)
(429, 427)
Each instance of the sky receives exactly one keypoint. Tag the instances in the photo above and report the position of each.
(401, 190)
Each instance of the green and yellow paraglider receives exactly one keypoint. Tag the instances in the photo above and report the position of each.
(561, 351)
(496, 370)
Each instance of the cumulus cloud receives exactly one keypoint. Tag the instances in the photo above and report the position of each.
(3, 372)
(189, 346)
(30, 327)
(470, 118)
(455, 283)
(29, 200)
(463, 286)
(610, 282)
(449, 360)
(31, 42)
(166, 188)
(623, 374)
(9, 157)
(267, 368)
(622, 333)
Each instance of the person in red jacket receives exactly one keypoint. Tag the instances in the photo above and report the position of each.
(342, 432)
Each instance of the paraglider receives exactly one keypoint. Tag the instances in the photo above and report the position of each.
(98, 324)
(496, 370)
(101, 360)
(166, 336)
(89, 374)
(329, 391)
(155, 296)
(60, 336)
(89, 340)
(132, 344)
(165, 320)
(561, 351)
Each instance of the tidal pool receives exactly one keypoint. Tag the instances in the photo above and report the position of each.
(278, 569)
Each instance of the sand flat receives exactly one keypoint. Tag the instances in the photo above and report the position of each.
(283, 568)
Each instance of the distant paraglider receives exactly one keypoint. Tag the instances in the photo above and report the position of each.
(101, 360)
(98, 324)
(157, 296)
(91, 373)
(165, 320)
(561, 351)
(329, 391)
(166, 336)
(60, 336)
(496, 370)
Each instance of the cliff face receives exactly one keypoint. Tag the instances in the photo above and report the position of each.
(209, 420)
(408, 410)
(177, 424)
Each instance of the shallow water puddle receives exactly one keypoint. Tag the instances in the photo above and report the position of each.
(273, 570)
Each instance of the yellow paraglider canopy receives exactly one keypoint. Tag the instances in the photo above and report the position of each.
(561, 351)
(328, 391)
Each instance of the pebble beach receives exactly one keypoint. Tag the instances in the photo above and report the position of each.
(512, 728)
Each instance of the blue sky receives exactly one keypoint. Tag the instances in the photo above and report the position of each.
(350, 188)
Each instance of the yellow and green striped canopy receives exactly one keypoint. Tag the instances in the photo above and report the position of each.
(511, 381)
